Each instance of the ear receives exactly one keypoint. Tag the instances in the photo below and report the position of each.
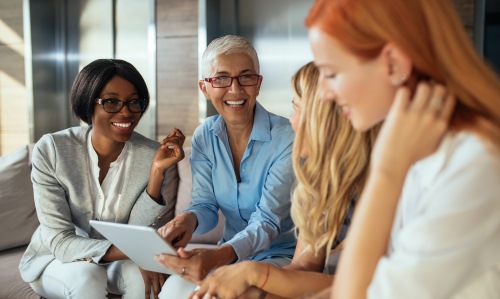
(259, 85)
(203, 88)
(398, 64)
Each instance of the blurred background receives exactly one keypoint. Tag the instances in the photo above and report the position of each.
(44, 44)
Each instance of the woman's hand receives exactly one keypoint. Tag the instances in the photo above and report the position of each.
(170, 151)
(152, 280)
(413, 128)
(253, 293)
(194, 265)
(232, 281)
(179, 230)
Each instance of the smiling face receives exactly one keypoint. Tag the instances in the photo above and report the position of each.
(234, 103)
(115, 127)
(361, 88)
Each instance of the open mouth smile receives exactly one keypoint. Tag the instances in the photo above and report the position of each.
(125, 126)
(235, 104)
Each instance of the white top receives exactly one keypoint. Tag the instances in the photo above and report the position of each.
(107, 196)
(445, 240)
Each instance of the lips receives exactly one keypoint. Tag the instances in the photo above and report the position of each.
(125, 126)
(235, 103)
(122, 125)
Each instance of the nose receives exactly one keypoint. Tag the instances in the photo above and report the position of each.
(235, 86)
(125, 111)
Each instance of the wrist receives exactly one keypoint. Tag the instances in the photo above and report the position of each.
(266, 276)
(225, 255)
(192, 220)
(258, 273)
(394, 172)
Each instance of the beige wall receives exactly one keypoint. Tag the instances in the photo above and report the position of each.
(14, 122)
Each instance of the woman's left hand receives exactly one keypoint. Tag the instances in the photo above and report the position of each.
(152, 280)
(413, 128)
(170, 150)
(229, 281)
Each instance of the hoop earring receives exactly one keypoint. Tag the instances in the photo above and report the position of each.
(398, 81)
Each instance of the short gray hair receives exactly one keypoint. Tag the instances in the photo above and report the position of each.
(225, 45)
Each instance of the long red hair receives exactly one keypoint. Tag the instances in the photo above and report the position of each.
(431, 34)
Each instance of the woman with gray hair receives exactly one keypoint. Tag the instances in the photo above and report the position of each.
(241, 164)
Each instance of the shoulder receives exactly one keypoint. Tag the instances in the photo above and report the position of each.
(278, 127)
(71, 137)
(281, 129)
(464, 167)
(142, 142)
(459, 151)
(206, 129)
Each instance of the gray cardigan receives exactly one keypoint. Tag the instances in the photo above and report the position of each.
(61, 185)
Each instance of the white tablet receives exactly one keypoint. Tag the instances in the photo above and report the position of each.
(140, 243)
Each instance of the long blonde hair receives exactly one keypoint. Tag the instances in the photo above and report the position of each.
(431, 34)
(335, 169)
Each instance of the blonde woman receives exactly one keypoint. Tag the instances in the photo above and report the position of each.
(427, 224)
(330, 161)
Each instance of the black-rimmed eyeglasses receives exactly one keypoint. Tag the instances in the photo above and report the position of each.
(226, 81)
(115, 106)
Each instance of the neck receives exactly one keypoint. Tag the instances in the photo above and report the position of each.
(238, 135)
(107, 150)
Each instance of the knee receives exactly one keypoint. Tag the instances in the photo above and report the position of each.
(93, 277)
(130, 280)
(130, 272)
(176, 287)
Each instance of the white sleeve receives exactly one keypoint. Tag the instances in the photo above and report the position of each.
(453, 240)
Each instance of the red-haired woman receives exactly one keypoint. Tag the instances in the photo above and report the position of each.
(427, 224)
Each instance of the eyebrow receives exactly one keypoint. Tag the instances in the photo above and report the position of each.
(116, 94)
(224, 73)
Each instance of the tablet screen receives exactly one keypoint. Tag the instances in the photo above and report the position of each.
(140, 243)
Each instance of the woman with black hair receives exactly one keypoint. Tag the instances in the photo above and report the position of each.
(99, 172)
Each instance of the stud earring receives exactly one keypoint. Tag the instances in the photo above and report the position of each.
(398, 81)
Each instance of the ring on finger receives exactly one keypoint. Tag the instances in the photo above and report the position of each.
(183, 271)
(436, 103)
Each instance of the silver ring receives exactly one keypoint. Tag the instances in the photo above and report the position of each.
(183, 271)
(436, 103)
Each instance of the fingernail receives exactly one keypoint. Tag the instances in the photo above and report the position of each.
(207, 296)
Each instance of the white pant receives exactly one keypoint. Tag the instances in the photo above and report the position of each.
(178, 288)
(89, 280)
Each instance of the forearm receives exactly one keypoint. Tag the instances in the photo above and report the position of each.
(297, 283)
(113, 254)
(223, 255)
(369, 235)
(156, 177)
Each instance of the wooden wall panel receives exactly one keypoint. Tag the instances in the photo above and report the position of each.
(177, 83)
(177, 66)
(177, 18)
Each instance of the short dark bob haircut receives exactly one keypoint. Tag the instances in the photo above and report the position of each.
(92, 79)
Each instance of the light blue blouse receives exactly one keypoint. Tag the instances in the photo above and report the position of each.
(257, 209)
